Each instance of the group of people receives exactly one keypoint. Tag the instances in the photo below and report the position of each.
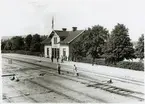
(75, 70)
(57, 58)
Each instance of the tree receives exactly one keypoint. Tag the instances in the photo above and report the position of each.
(3, 43)
(118, 46)
(108, 54)
(17, 43)
(28, 40)
(42, 38)
(8, 45)
(94, 40)
(140, 47)
(35, 43)
(35, 47)
(77, 50)
(35, 39)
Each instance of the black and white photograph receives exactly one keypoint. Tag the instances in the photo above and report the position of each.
(72, 51)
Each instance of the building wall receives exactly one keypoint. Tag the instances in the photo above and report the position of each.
(45, 50)
(52, 41)
(61, 50)
(61, 47)
(51, 46)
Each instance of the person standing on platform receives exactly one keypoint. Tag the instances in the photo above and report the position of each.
(58, 68)
(76, 71)
(61, 59)
(52, 58)
(57, 58)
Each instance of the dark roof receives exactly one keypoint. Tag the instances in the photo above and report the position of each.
(65, 36)
(62, 33)
(72, 35)
(46, 41)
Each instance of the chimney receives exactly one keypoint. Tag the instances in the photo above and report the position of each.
(74, 28)
(64, 29)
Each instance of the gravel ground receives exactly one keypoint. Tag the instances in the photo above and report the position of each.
(51, 87)
(113, 71)
(124, 78)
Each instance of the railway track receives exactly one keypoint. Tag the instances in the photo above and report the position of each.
(117, 78)
(34, 62)
(47, 86)
(55, 91)
(103, 86)
(102, 75)
(21, 95)
(121, 79)
(83, 98)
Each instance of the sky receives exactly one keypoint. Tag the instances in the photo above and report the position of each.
(22, 17)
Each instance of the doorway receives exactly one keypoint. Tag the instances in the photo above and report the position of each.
(55, 52)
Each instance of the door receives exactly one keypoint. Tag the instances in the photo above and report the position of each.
(53, 52)
(57, 51)
(48, 52)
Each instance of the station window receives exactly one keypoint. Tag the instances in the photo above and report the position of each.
(55, 40)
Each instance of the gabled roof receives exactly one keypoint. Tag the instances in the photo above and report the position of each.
(46, 41)
(62, 33)
(72, 35)
(65, 36)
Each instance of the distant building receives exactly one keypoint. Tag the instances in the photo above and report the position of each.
(59, 43)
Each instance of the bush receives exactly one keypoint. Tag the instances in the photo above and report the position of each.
(131, 65)
(34, 53)
(100, 62)
(89, 60)
(123, 64)
(22, 52)
(35, 47)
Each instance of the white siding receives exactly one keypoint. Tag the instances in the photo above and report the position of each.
(61, 47)
(52, 45)
(58, 40)
(61, 50)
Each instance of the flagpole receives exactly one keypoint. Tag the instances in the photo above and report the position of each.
(53, 23)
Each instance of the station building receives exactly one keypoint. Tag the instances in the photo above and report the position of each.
(59, 43)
